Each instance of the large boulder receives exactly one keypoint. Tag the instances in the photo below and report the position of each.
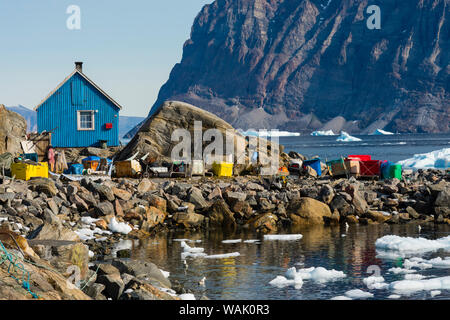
(13, 129)
(308, 211)
(155, 135)
(220, 215)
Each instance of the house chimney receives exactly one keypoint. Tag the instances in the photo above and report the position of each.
(79, 66)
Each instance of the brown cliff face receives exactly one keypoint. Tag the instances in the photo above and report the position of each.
(298, 65)
(13, 129)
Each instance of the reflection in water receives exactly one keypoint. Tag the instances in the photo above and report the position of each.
(248, 275)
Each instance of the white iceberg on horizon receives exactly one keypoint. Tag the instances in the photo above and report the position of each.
(323, 133)
(269, 133)
(439, 159)
(345, 137)
(380, 132)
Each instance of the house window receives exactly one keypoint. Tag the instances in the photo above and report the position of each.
(86, 120)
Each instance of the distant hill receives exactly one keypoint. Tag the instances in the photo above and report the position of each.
(125, 123)
(28, 114)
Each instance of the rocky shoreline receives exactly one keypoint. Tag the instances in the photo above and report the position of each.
(61, 224)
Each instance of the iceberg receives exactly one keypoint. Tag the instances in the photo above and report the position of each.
(268, 133)
(358, 294)
(439, 159)
(323, 133)
(411, 286)
(380, 132)
(345, 137)
(404, 246)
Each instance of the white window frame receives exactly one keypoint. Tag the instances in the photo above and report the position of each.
(79, 120)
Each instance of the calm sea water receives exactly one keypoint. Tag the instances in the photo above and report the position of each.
(248, 275)
(390, 147)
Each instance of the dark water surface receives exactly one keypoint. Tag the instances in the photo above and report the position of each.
(248, 275)
(384, 147)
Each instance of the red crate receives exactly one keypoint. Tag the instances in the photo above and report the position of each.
(370, 167)
(362, 157)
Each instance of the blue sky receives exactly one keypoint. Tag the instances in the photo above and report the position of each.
(128, 47)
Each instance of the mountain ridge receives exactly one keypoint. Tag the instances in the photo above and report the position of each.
(312, 64)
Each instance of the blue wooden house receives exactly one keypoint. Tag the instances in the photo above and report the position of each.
(79, 113)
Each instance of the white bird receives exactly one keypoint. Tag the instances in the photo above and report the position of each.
(420, 228)
(202, 282)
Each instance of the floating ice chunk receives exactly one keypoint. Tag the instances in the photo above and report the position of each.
(287, 237)
(323, 133)
(101, 239)
(187, 296)
(166, 274)
(380, 132)
(185, 255)
(119, 227)
(401, 270)
(232, 241)
(252, 241)
(341, 298)
(318, 274)
(188, 240)
(222, 256)
(404, 246)
(345, 137)
(435, 293)
(439, 159)
(374, 282)
(394, 296)
(411, 286)
(189, 249)
(323, 275)
(358, 294)
(282, 282)
(410, 276)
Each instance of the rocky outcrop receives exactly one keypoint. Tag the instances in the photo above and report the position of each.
(314, 64)
(155, 135)
(13, 129)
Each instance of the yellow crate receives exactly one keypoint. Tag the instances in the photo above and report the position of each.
(24, 171)
(223, 169)
(127, 168)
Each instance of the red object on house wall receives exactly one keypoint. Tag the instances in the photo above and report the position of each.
(108, 125)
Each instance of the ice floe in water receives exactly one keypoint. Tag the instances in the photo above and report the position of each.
(412, 286)
(439, 159)
(232, 241)
(405, 246)
(252, 241)
(323, 133)
(380, 132)
(345, 137)
(394, 296)
(341, 298)
(295, 277)
(287, 237)
(222, 256)
(435, 293)
(270, 133)
(398, 270)
(358, 294)
(375, 282)
(199, 253)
